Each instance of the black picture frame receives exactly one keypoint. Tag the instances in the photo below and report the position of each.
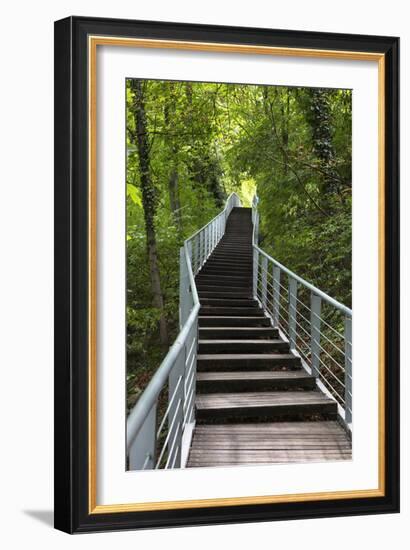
(71, 491)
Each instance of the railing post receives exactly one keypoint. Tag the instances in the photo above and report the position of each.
(141, 454)
(264, 278)
(315, 318)
(191, 258)
(184, 296)
(176, 414)
(200, 255)
(348, 369)
(276, 295)
(194, 244)
(255, 272)
(189, 413)
(292, 290)
(256, 228)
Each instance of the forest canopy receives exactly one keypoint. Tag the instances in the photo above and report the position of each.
(189, 145)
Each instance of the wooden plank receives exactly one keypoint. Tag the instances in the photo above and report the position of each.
(258, 445)
(229, 454)
(245, 381)
(255, 399)
(254, 375)
(270, 443)
(267, 457)
(326, 426)
(246, 361)
(242, 345)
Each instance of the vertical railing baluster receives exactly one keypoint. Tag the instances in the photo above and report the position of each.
(200, 237)
(204, 243)
(190, 256)
(184, 302)
(213, 236)
(264, 280)
(292, 290)
(204, 247)
(190, 414)
(142, 450)
(255, 272)
(276, 295)
(194, 255)
(348, 369)
(176, 412)
(315, 332)
(256, 224)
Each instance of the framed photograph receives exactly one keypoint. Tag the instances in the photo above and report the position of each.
(226, 274)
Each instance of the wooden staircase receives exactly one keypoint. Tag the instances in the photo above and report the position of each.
(255, 402)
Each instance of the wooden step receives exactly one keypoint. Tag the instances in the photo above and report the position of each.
(231, 311)
(225, 282)
(244, 241)
(235, 248)
(228, 264)
(237, 333)
(263, 405)
(242, 381)
(231, 256)
(235, 260)
(211, 288)
(221, 294)
(232, 270)
(269, 443)
(232, 321)
(247, 361)
(224, 278)
(242, 346)
(229, 302)
(227, 272)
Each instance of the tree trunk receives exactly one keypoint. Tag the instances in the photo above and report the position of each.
(174, 198)
(319, 118)
(173, 180)
(149, 205)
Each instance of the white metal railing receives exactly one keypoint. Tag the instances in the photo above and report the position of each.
(159, 428)
(318, 327)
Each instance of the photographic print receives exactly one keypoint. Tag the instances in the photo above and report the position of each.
(239, 282)
(226, 274)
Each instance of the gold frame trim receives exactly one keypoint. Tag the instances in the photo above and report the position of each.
(93, 42)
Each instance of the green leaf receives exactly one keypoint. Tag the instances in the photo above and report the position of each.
(134, 194)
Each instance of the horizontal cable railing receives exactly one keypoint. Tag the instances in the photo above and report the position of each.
(318, 327)
(160, 425)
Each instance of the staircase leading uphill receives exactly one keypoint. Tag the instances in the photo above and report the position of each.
(255, 402)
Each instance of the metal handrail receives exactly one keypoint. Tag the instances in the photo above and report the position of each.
(344, 309)
(143, 407)
(268, 272)
(142, 433)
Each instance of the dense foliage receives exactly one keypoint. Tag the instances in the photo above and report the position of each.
(191, 144)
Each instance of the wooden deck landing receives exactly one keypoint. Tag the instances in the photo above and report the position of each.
(268, 443)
